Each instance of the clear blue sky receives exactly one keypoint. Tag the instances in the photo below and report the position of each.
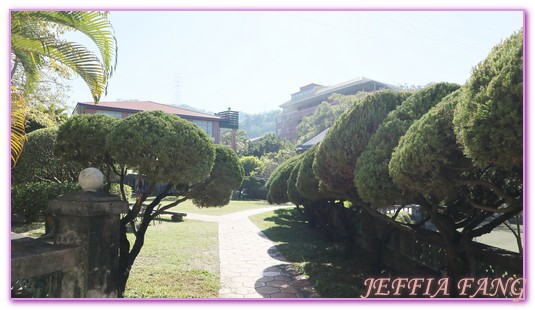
(252, 61)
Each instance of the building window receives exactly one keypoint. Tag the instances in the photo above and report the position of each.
(110, 113)
(206, 126)
(279, 131)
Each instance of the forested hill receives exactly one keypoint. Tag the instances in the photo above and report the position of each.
(256, 125)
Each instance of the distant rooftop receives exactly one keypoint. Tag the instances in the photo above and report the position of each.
(315, 140)
(314, 90)
(139, 106)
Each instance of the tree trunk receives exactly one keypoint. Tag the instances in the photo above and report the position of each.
(127, 256)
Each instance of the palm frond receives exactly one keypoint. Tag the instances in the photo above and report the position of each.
(29, 43)
(74, 56)
(18, 115)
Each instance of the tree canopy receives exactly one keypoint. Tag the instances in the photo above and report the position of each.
(337, 154)
(269, 143)
(83, 138)
(428, 154)
(251, 165)
(277, 184)
(39, 163)
(225, 176)
(372, 179)
(489, 122)
(167, 148)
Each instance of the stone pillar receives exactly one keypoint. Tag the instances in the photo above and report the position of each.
(89, 220)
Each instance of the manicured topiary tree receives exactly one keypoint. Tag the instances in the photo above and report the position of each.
(162, 148)
(372, 178)
(83, 139)
(39, 163)
(307, 183)
(225, 176)
(293, 194)
(278, 182)
(457, 195)
(254, 188)
(337, 154)
(489, 122)
(428, 155)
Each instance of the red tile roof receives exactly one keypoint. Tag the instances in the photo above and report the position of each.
(139, 106)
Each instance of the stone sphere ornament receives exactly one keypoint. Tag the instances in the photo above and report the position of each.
(90, 179)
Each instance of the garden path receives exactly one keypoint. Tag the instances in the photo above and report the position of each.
(251, 266)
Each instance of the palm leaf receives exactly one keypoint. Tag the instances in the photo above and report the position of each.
(27, 26)
(18, 114)
(74, 56)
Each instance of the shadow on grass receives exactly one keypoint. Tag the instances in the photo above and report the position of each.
(332, 275)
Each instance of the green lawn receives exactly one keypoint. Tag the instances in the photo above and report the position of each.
(234, 206)
(178, 260)
(34, 230)
(332, 275)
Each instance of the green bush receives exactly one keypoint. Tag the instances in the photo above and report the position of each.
(293, 194)
(115, 189)
(254, 188)
(251, 165)
(372, 178)
(226, 176)
(30, 199)
(489, 121)
(278, 182)
(39, 163)
(337, 154)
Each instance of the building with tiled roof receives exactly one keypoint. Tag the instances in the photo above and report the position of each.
(309, 97)
(210, 123)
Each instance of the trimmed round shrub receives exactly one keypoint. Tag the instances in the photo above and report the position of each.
(372, 178)
(307, 184)
(428, 158)
(337, 154)
(30, 199)
(39, 163)
(293, 194)
(489, 121)
(254, 188)
(115, 189)
(277, 184)
(226, 176)
(162, 147)
(82, 138)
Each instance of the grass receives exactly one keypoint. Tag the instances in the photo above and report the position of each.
(234, 206)
(33, 230)
(178, 260)
(332, 275)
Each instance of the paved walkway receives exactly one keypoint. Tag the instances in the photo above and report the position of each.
(251, 266)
